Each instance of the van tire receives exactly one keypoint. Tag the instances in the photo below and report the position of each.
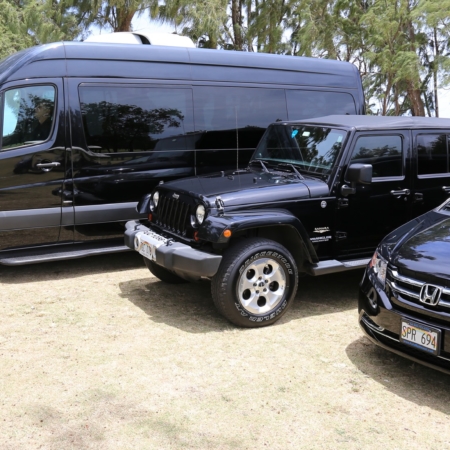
(163, 274)
(256, 283)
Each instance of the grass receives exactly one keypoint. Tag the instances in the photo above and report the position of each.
(97, 354)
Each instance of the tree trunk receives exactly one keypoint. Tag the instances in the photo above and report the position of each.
(435, 69)
(123, 19)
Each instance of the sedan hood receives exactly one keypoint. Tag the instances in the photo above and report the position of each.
(427, 251)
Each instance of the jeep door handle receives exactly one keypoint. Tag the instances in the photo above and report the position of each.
(446, 189)
(48, 165)
(400, 192)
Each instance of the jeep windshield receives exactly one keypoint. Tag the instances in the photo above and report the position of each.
(311, 149)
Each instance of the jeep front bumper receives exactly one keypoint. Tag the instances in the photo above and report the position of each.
(179, 258)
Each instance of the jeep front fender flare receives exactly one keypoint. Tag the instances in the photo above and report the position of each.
(212, 228)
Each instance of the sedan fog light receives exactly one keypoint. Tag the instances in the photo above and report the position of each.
(372, 296)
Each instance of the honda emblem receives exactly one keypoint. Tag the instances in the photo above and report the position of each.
(430, 294)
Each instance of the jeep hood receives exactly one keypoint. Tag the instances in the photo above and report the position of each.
(250, 187)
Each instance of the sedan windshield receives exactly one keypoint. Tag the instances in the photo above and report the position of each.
(311, 149)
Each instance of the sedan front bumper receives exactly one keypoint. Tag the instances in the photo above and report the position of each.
(179, 258)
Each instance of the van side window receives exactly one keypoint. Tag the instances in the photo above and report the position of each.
(236, 116)
(27, 115)
(120, 119)
(383, 152)
(309, 104)
(432, 154)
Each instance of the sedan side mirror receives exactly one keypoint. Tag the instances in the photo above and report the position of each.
(356, 174)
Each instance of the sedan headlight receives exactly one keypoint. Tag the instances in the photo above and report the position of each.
(200, 214)
(379, 267)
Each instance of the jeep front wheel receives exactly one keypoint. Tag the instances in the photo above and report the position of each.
(256, 283)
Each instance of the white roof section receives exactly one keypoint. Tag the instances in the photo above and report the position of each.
(143, 37)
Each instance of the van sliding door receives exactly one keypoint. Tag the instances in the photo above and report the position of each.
(230, 121)
(125, 139)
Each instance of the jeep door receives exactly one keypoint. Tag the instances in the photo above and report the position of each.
(32, 162)
(375, 209)
(431, 169)
(126, 137)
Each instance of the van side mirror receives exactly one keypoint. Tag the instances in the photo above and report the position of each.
(356, 174)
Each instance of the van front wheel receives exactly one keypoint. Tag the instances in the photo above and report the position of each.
(256, 283)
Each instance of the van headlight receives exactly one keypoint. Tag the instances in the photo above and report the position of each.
(379, 266)
(200, 213)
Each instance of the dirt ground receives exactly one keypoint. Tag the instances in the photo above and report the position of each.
(97, 354)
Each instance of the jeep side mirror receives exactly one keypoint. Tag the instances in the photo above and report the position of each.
(356, 174)
(359, 173)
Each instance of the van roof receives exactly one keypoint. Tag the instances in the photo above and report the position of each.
(52, 60)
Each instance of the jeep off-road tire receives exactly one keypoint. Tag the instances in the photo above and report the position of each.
(256, 283)
(163, 274)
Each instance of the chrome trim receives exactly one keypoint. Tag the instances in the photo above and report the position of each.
(418, 284)
(403, 291)
(405, 280)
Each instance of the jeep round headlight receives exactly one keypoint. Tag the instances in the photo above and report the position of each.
(155, 198)
(200, 214)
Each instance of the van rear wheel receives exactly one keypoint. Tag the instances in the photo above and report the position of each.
(163, 274)
(256, 283)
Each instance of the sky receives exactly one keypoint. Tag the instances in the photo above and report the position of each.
(143, 22)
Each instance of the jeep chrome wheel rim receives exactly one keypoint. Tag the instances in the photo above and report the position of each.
(261, 286)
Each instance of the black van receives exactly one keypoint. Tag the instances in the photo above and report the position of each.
(88, 128)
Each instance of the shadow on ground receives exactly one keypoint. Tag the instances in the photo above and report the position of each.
(72, 268)
(190, 307)
(414, 382)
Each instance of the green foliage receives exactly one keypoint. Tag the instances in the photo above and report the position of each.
(26, 23)
(401, 47)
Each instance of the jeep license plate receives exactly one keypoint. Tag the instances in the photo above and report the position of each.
(420, 336)
(149, 243)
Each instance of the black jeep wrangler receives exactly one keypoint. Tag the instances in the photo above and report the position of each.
(316, 198)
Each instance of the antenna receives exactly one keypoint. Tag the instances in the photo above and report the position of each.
(237, 141)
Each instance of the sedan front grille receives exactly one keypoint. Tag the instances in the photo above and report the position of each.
(173, 215)
(410, 288)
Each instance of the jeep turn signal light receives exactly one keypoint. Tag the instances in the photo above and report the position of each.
(150, 217)
(196, 238)
(227, 233)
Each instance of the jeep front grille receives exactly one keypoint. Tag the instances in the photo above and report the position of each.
(409, 289)
(173, 215)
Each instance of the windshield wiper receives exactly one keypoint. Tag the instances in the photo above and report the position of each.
(262, 164)
(299, 175)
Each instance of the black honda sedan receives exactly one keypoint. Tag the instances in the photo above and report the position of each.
(404, 297)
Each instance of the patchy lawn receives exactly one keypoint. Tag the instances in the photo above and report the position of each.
(97, 354)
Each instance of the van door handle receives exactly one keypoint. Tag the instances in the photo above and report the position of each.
(398, 193)
(446, 189)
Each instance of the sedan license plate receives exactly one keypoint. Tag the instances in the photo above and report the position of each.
(149, 243)
(420, 336)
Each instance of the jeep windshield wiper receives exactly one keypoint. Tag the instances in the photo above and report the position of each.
(299, 175)
(262, 164)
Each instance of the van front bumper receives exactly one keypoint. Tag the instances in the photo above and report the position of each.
(179, 258)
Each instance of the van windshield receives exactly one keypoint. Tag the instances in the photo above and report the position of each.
(311, 149)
